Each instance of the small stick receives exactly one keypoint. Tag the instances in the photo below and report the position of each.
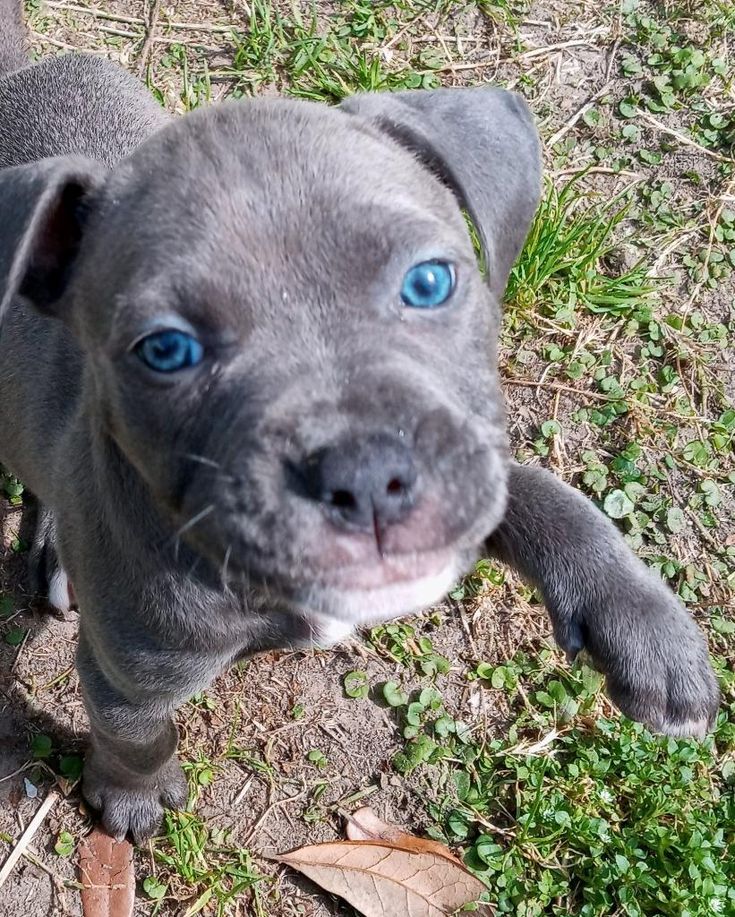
(145, 54)
(30, 855)
(118, 33)
(556, 387)
(564, 130)
(98, 14)
(271, 807)
(15, 773)
(134, 20)
(549, 49)
(27, 836)
(65, 46)
(682, 138)
(452, 68)
(596, 170)
(20, 651)
(243, 792)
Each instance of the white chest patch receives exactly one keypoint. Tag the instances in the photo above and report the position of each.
(58, 592)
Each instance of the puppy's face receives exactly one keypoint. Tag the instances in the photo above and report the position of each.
(290, 341)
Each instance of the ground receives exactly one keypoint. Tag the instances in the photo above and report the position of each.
(617, 359)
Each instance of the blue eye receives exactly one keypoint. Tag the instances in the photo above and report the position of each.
(428, 285)
(169, 351)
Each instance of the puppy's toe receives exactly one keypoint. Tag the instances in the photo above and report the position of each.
(569, 635)
(174, 788)
(137, 814)
(145, 820)
(136, 808)
(93, 795)
(115, 819)
(693, 703)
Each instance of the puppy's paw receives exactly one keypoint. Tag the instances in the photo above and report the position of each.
(674, 693)
(652, 653)
(135, 809)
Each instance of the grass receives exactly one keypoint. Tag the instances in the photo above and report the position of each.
(571, 811)
(574, 812)
(194, 856)
(619, 329)
(567, 263)
(309, 62)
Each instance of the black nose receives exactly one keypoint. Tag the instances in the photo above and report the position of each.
(362, 483)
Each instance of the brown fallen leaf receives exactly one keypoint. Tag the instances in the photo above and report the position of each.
(364, 825)
(107, 876)
(387, 873)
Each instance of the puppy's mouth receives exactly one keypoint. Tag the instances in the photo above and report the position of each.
(367, 594)
(387, 571)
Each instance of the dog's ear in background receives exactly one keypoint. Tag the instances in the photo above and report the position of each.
(43, 211)
(483, 144)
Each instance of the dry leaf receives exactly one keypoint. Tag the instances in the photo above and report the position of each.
(384, 872)
(107, 876)
(364, 825)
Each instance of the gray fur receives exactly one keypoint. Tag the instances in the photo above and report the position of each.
(13, 37)
(180, 507)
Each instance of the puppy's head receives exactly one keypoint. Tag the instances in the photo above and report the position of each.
(287, 335)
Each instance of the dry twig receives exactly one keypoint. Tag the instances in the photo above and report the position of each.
(27, 836)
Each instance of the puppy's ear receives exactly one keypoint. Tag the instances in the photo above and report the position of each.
(483, 144)
(43, 211)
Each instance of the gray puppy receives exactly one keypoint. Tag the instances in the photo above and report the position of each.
(248, 369)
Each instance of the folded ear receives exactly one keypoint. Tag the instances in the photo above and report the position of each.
(43, 210)
(483, 144)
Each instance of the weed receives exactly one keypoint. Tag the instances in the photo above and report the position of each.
(197, 856)
(576, 813)
(401, 643)
(484, 577)
(356, 684)
(563, 265)
(12, 487)
(322, 61)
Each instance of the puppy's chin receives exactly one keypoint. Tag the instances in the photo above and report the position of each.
(334, 611)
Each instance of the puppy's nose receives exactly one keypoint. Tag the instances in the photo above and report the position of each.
(363, 483)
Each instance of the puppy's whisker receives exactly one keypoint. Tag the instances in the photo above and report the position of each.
(211, 463)
(202, 459)
(195, 520)
(225, 572)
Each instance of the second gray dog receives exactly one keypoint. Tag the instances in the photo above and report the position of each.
(247, 368)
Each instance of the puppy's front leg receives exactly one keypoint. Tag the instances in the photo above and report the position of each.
(602, 598)
(131, 772)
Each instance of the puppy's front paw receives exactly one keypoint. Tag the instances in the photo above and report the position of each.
(134, 808)
(653, 654)
(674, 692)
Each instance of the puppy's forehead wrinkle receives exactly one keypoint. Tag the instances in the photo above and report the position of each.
(273, 151)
